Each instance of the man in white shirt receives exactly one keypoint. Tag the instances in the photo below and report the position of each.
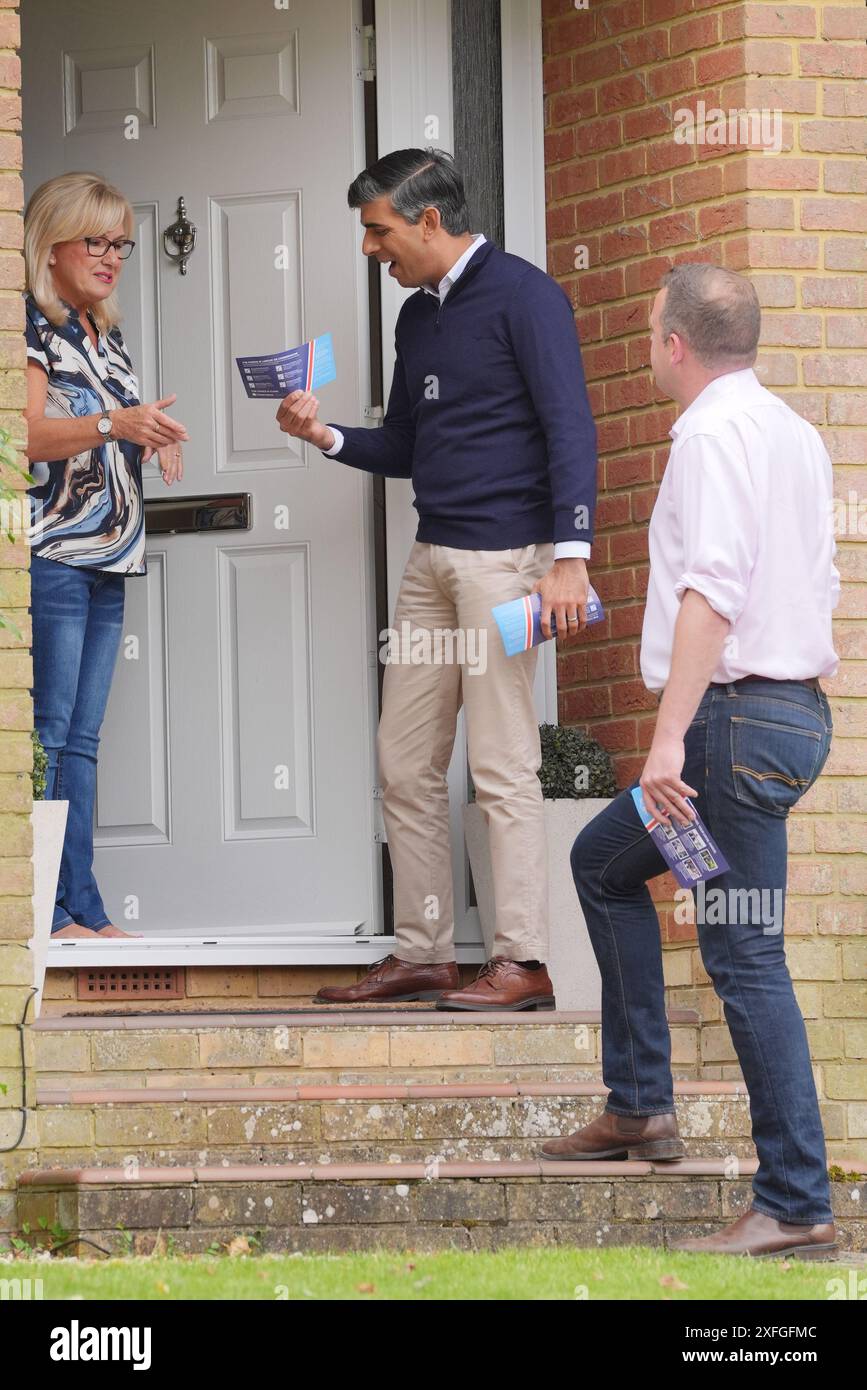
(737, 631)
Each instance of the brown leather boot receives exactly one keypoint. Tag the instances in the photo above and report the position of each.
(503, 984)
(763, 1237)
(619, 1136)
(393, 980)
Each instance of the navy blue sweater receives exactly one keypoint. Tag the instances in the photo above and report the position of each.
(488, 411)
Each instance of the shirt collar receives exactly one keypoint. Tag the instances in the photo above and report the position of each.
(76, 315)
(721, 388)
(76, 327)
(451, 276)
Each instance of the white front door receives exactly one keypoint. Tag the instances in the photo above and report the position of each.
(236, 765)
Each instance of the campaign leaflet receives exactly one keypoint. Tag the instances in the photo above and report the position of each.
(690, 851)
(303, 368)
(520, 619)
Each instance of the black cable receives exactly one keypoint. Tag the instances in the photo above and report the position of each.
(73, 1240)
(80, 1240)
(23, 1107)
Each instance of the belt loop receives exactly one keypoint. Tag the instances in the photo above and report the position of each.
(730, 688)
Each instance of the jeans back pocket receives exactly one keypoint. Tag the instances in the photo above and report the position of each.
(773, 764)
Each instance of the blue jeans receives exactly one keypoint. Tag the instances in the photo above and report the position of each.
(77, 618)
(752, 749)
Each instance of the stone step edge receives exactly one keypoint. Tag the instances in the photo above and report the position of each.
(382, 1172)
(268, 1095)
(399, 1018)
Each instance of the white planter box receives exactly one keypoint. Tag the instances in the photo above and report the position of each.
(571, 962)
(49, 827)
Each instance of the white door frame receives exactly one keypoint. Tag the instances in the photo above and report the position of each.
(414, 82)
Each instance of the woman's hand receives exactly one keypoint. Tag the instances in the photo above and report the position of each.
(171, 462)
(148, 425)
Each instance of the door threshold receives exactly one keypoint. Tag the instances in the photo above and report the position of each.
(233, 949)
(303, 1007)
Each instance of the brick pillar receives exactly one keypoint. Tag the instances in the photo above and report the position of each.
(16, 715)
(616, 77)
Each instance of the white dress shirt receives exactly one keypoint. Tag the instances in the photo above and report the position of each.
(562, 549)
(744, 517)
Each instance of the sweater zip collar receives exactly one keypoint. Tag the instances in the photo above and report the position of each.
(473, 266)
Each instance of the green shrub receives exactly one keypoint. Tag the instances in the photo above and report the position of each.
(574, 765)
(40, 767)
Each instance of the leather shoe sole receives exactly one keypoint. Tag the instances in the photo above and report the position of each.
(420, 995)
(659, 1149)
(541, 1001)
(798, 1252)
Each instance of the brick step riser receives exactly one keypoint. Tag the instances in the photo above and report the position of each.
(424, 1238)
(198, 1078)
(313, 1216)
(399, 1051)
(336, 1125)
(381, 1151)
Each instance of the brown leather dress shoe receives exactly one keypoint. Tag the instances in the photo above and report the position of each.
(503, 984)
(619, 1136)
(393, 980)
(763, 1237)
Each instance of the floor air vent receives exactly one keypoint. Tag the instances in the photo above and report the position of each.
(136, 982)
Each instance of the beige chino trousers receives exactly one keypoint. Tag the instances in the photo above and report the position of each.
(447, 590)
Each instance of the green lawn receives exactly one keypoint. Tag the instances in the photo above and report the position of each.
(525, 1274)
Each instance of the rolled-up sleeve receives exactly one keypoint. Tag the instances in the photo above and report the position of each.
(717, 507)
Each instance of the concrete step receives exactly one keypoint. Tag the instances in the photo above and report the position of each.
(103, 1126)
(398, 1206)
(364, 1206)
(349, 1047)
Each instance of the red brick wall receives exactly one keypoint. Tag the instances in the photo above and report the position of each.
(794, 221)
(619, 184)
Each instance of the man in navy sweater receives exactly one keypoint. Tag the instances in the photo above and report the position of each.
(488, 415)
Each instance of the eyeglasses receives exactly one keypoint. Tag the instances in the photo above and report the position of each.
(99, 246)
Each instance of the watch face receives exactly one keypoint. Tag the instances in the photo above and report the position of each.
(103, 425)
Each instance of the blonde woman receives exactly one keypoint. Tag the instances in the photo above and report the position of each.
(88, 435)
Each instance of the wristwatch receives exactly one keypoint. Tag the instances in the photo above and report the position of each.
(103, 424)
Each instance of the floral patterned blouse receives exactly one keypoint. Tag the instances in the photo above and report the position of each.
(86, 510)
